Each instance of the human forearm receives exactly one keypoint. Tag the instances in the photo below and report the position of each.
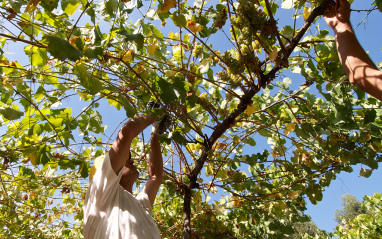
(155, 169)
(352, 56)
(358, 66)
(120, 149)
(156, 160)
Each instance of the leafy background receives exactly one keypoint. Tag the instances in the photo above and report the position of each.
(224, 71)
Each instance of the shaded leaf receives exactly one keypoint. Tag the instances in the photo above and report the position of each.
(365, 172)
(137, 38)
(171, 92)
(62, 49)
(10, 114)
(49, 5)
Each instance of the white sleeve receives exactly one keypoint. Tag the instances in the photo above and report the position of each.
(144, 200)
(104, 185)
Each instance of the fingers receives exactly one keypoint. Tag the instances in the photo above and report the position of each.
(342, 5)
(331, 9)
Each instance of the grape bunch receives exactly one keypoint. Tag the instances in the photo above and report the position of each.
(235, 67)
(198, 50)
(251, 21)
(224, 76)
(245, 55)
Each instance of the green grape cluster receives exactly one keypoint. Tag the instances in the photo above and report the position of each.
(249, 17)
(251, 21)
(246, 54)
(224, 76)
(198, 50)
(229, 78)
(235, 67)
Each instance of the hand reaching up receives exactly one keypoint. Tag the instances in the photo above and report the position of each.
(338, 13)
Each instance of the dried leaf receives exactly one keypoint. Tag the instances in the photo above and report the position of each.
(32, 4)
(273, 55)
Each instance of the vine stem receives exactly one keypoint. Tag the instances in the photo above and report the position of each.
(22, 40)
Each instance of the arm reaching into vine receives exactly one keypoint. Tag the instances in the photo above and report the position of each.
(358, 66)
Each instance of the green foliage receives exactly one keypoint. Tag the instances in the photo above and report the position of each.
(11, 114)
(247, 145)
(351, 208)
(308, 230)
(61, 49)
(365, 225)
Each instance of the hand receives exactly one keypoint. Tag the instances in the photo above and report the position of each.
(337, 13)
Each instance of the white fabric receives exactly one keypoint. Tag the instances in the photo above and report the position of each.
(112, 212)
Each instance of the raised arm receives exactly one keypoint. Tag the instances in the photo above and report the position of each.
(155, 169)
(358, 66)
(120, 150)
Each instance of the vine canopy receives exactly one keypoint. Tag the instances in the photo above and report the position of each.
(263, 117)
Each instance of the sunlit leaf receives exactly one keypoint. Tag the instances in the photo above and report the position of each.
(152, 48)
(70, 6)
(87, 80)
(166, 6)
(194, 27)
(127, 56)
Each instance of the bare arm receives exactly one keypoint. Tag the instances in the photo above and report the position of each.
(358, 66)
(120, 149)
(155, 169)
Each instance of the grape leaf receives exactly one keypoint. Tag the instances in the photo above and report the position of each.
(70, 6)
(10, 114)
(62, 49)
(87, 80)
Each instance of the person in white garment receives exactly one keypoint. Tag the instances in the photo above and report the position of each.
(110, 210)
(358, 66)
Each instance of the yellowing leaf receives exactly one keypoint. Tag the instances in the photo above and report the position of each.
(33, 159)
(152, 48)
(293, 195)
(173, 36)
(273, 55)
(194, 27)
(250, 110)
(127, 57)
(73, 40)
(237, 203)
(307, 11)
(166, 6)
(289, 128)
